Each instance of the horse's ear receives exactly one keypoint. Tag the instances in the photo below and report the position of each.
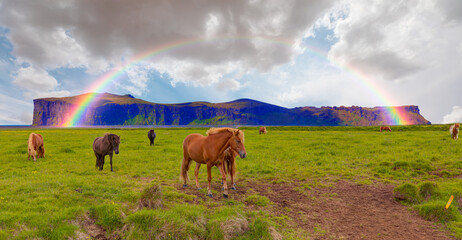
(236, 133)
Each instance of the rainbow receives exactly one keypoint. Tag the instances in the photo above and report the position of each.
(395, 115)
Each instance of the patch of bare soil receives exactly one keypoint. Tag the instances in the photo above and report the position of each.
(344, 210)
(92, 230)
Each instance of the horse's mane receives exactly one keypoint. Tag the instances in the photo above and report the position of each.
(212, 131)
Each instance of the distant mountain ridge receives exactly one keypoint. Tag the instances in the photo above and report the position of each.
(111, 109)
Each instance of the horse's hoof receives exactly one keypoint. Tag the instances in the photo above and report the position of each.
(210, 195)
(185, 185)
(225, 195)
(233, 188)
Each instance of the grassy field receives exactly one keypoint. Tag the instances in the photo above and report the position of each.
(56, 196)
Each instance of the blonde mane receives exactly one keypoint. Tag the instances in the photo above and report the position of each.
(231, 130)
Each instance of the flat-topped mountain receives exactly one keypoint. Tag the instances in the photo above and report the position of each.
(111, 109)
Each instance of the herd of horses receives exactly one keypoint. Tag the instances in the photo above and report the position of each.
(219, 148)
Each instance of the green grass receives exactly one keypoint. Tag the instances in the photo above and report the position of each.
(45, 199)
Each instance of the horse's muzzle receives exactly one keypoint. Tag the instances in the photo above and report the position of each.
(242, 154)
(116, 151)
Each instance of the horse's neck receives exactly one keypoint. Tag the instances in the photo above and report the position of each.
(221, 140)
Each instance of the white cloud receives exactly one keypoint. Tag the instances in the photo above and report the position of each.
(38, 83)
(454, 116)
(394, 40)
(97, 34)
(14, 111)
(228, 84)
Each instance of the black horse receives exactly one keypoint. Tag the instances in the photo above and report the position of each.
(151, 136)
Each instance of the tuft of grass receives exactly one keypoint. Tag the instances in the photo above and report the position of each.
(67, 150)
(257, 200)
(400, 165)
(180, 222)
(107, 216)
(436, 211)
(428, 189)
(407, 192)
(258, 229)
(227, 223)
(151, 197)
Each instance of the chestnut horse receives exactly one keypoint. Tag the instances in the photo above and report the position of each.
(210, 150)
(385, 128)
(454, 131)
(229, 163)
(262, 130)
(35, 146)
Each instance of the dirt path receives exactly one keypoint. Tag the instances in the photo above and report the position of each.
(343, 210)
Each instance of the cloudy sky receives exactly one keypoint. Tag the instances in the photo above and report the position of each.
(289, 53)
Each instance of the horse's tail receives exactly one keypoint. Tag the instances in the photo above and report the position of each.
(185, 162)
(184, 170)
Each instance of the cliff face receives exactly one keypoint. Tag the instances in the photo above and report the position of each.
(110, 109)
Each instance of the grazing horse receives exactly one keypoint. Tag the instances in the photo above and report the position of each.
(103, 146)
(151, 136)
(385, 128)
(454, 131)
(35, 146)
(262, 130)
(210, 150)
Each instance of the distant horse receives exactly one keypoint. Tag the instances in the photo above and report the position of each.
(210, 150)
(262, 130)
(103, 146)
(151, 136)
(385, 128)
(454, 131)
(35, 146)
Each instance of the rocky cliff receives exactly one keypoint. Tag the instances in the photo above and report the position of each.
(110, 109)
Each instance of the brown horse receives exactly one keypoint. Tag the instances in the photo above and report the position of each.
(262, 130)
(454, 131)
(385, 128)
(35, 146)
(229, 163)
(103, 146)
(151, 136)
(210, 150)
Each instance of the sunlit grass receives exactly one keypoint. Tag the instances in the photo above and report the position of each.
(44, 199)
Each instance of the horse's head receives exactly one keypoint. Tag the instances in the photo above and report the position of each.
(236, 143)
(115, 141)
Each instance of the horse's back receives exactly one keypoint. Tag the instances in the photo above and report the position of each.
(35, 140)
(97, 145)
(193, 146)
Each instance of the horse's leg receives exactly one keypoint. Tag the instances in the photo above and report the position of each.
(101, 163)
(232, 172)
(196, 173)
(97, 160)
(223, 178)
(209, 178)
(110, 157)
